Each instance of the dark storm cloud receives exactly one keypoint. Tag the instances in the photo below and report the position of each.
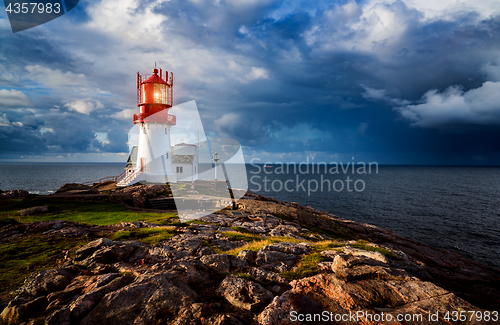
(371, 77)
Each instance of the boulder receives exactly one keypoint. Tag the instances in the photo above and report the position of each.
(243, 293)
(150, 299)
(218, 263)
(44, 282)
(266, 276)
(70, 187)
(222, 320)
(249, 255)
(14, 194)
(83, 304)
(33, 210)
(19, 309)
(275, 261)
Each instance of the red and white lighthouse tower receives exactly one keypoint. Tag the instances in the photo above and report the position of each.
(154, 158)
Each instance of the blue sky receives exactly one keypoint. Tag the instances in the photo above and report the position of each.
(396, 82)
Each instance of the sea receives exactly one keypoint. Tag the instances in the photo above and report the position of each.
(451, 207)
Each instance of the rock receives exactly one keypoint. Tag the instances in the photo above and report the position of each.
(266, 276)
(77, 187)
(347, 261)
(249, 255)
(190, 271)
(108, 255)
(81, 306)
(265, 257)
(33, 210)
(186, 242)
(205, 251)
(223, 320)
(217, 219)
(19, 309)
(43, 282)
(226, 245)
(279, 310)
(218, 263)
(150, 299)
(91, 247)
(343, 295)
(238, 263)
(288, 248)
(278, 257)
(361, 252)
(14, 194)
(59, 317)
(243, 293)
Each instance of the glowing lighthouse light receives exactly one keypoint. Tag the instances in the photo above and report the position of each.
(151, 159)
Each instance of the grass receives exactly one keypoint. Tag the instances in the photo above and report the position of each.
(307, 266)
(240, 236)
(22, 256)
(241, 229)
(258, 242)
(326, 245)
(242, 275)
(91, 213)
(361, 244)
(149, 236)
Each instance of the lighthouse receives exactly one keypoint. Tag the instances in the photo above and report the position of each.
(151, 160)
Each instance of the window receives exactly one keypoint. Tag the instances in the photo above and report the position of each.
(178, 170)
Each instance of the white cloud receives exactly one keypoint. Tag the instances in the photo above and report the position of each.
(137, 22)
(456, 106)
(56, 78)
(451, 107)
(447, 8)
(13, 99)
(84, 107)
(255, 74)
(126, 114)
(4, 121)
(362, 127)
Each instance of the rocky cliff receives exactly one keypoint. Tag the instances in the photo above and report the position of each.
(269, 262)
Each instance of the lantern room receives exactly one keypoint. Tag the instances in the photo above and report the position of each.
(154, 94)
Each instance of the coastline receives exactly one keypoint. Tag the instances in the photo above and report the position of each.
(356, 254)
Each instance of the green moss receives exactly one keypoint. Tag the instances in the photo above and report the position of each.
(149, 236)
(307, 266)
(215, 249)
(240, 236)
(88, 212)
(22, 256)
(260, 242)
(326, 245)
(128, 273)
(196, 221)
(245, 276)
(241, 229)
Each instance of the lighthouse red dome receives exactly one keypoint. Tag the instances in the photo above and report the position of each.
(154, 95)
(155, 78)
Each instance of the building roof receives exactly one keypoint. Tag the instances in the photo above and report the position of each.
(185, 145)
(182, 158)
